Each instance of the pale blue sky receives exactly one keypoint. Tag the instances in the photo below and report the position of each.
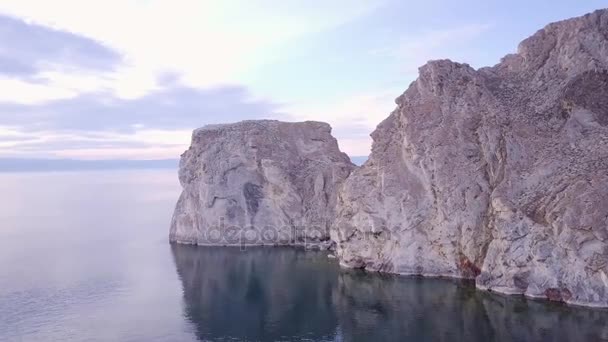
(131, 79)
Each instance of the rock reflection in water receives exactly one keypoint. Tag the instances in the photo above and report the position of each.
(264, 294)
(269, 294)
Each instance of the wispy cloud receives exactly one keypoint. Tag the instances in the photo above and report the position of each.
(352, 118)
(27, 49)
(101, 125)
(169, 108)
(133, 78)
(415, 49)
(39, 63)
(355, 116)
(208, 42)
(128, 77)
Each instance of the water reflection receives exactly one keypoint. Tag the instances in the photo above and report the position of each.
(258, 294)
(269, 294)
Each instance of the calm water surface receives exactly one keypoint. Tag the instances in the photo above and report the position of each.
(84, 257)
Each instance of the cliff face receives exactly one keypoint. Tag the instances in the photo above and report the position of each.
(259, 182)
(498, 174)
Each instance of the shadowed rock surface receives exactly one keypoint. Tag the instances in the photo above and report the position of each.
(498, 174)
(259, 182)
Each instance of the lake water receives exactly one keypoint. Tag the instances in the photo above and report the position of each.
(85, 257)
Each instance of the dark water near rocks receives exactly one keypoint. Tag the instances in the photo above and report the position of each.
(84, 257)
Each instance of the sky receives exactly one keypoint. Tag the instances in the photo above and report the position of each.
(131, 79)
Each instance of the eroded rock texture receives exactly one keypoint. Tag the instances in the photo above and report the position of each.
(259, 182)
(498, 174)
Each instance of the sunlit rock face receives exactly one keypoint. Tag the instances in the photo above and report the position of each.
(259, 182)
(498, 174)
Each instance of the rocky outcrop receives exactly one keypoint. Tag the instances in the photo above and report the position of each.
(259, 182)
(498, 174)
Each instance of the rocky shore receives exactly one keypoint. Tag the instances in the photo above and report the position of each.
(499, 175)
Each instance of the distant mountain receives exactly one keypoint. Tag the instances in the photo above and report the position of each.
(358, 160)
(22, 164)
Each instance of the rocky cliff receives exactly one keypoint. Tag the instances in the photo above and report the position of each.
(259, 182)
(498, 174)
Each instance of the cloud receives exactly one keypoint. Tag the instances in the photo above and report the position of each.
(28, 49)
(101, 125)
(352, 118)
(209, 42)
(16, 139)
(415, 49)
(143, 144)
(172, 108)
(40, 63)
(125, 78)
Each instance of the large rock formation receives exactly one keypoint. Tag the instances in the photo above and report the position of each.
(498, 174)
(259, 182)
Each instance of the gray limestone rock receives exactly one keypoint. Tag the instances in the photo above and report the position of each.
(259, 183)
(498, 174)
